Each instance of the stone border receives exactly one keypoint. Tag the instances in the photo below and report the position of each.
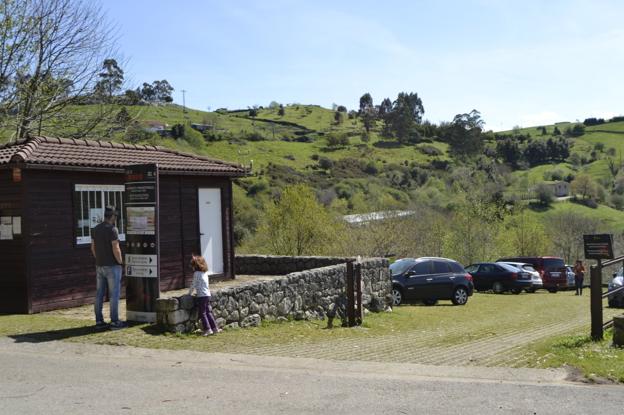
(304, 294)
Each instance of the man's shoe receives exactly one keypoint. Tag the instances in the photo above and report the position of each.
(118, 325)
(100, 325)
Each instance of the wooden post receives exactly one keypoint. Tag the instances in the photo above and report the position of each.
(596, 301)
(358, 294)
(350, 295)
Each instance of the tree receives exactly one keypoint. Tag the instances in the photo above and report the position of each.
(123, 117)
(584, 185)
(509, 150)
(253, 111)
(162, 91)
(464, 134)
(341, 108)
(406, 114)
(556, 131)
(111, 79)
(297, 224)
(147, 92)
(338, 117)
(281, 111)
(526, 235)
(544, 194)
(366, 101)
(568, 229)
(50, 55)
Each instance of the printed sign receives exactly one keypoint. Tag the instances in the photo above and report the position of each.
(142, 246)
(6, 228)
(598, 246)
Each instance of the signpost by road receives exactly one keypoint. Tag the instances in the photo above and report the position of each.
(597, 247)
(142, 243)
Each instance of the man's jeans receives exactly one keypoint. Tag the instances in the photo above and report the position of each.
(107, 278)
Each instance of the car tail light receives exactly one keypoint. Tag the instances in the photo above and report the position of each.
(469, 277)
(514, 275)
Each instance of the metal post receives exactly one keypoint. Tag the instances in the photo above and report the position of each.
(358, 294)
(350, 295)
(596, 301)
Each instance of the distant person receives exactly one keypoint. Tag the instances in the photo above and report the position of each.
(579, 275)
(202, 289)
(108, 261)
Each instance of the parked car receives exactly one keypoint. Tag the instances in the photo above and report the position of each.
(499, 277)
(430, 279)
(616, 299)
(536, 280)
(571, 282)
(551, 269)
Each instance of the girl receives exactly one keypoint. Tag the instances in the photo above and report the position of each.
(579, 274)
(200, 285)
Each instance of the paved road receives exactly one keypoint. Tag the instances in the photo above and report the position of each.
(65, 378)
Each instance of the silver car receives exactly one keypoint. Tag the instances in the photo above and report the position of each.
(617, 299)
(536, 280)
(571, 282)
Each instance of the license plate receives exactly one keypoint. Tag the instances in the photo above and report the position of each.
(555, 274)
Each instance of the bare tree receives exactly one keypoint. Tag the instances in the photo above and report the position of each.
(51, 52)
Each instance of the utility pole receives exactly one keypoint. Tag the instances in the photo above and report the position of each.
(184, 101)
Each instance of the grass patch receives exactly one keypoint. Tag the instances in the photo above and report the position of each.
(595, 360)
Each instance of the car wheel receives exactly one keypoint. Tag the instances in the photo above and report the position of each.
(397, 296)
(530, 290)
(430, 302)
(516, 291)
(460, 296)
(497, 287)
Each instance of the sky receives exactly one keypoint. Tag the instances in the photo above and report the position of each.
(524, 63)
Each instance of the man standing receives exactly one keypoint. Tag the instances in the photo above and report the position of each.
(579, 275)
(108, 261)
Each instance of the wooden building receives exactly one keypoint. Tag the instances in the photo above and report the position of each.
(52, 192)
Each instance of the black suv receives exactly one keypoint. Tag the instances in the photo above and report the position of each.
(429, 280)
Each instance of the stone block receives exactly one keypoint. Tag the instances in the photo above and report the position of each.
(220, 322)
(243, 312)
(231, 305)
(281, 319)
(233, 316)
(177, 317)
(259, 298)
(166, 304)
(234, 326)
(284, 307)
(300, 315)
(186, 302)
(254, 308)
(251, 321)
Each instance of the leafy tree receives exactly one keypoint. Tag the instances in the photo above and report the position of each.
(338, 117)
(147, 92)
(50, 57)
(569, 228)
(253, 111)
(366, 101)
(163, 90)
(132, 97)
(526, 235)
(341, 108)
(576, 130)
(281, 111)
(177, 131)
(544, 132)
(123, 117)
(111, 79)
(297, 224)
(556, 131)
(584, 185)
(544, 194)
(464, 134)
(406, 114)
(509, 151)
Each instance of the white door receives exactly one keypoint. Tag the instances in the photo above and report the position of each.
(210, 223)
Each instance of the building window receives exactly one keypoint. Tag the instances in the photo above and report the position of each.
(89, 203)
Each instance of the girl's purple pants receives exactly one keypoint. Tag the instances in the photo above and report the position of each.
(205, 313)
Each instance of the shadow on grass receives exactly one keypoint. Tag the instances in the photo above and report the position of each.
(62, 334)
(387, 144)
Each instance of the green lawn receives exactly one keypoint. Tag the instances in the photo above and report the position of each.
(487, 322)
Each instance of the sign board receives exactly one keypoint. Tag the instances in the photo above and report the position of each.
(598, 246)
(142, 244)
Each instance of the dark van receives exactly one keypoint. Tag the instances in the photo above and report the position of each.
(551, 269)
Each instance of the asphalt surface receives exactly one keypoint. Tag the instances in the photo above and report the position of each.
(65, 378)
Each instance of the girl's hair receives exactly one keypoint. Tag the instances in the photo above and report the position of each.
(198, 263)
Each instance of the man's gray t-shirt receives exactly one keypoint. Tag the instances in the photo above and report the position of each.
(103, 235)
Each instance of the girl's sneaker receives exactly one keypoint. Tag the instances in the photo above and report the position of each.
(208, 333)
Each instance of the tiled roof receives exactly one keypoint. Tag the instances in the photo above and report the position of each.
(89, 154)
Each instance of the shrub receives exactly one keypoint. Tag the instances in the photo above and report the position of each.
(314, 157)
(325, 163)
(371, 168)
(430, 150)
(259, 186)
(544, 194)
(253, 137)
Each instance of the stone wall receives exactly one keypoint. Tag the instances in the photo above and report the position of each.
(308, 294)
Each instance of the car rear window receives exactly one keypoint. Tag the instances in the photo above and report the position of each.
(528, 268)
(440, 267)
(508, 267)
(553, 264)
(400, 266)
(456, 268)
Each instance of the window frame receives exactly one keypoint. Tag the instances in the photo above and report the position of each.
(79, 215)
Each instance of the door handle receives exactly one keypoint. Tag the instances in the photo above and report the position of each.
(201, 234)
(429, 279)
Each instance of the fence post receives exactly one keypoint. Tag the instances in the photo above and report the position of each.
(350, 295)
(595, 286)
(358, 293)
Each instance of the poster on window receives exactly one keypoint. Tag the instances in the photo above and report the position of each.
(6, 228)
(142, 244)
(96, 216)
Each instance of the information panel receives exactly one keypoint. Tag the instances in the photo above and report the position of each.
(598, 246)
(142, 245)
